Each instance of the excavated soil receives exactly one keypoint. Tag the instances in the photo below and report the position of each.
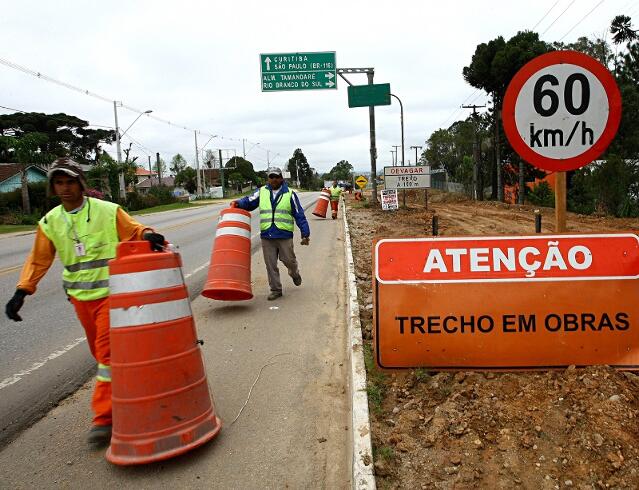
(577, 428)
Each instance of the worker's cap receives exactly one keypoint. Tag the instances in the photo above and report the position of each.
(274, 171)
(68, 166)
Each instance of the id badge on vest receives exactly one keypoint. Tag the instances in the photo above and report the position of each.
(80, 249)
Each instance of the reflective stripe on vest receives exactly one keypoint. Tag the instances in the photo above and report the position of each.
(104, 373)
(281, 216)
(85, 266)
(85, 278)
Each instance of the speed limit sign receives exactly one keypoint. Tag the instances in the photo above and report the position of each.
(561, 110)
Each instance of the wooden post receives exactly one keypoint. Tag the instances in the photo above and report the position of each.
(560, 202)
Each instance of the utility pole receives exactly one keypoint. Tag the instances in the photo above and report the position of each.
(197, 166)
(221, 172)
(500, 178)
(476, 150)
(118, 148)
(416, 148)
(396, 155)
(159, 168)
(150, 172)
(393, 152)
(425, 190)
(244, 148)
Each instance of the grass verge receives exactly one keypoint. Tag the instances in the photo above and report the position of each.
(167, 207)
(376, 387)
(16, 228)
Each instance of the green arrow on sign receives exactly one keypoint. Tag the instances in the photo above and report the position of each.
(298, 71)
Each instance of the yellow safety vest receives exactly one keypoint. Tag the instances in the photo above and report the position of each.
(85, 277)
(281, 216)
(335, 193)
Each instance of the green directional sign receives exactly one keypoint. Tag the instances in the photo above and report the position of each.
(368, 95)
(298, 71)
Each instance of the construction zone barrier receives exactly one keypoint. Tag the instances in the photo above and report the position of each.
(322, 203)
(229, 277)
(162, 406)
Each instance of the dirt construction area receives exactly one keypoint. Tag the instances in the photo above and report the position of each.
(575, 428)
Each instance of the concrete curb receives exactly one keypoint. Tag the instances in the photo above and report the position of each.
(363, 476)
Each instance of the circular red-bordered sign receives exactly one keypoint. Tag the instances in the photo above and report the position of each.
(561, 110)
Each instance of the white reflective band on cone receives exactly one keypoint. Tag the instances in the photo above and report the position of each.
(236, 217)
(151, 313)
(324, 197)
(233, 230)
(145, 281)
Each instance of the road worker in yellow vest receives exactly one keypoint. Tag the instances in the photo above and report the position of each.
(279, 209)
(336, 192)
(84, 232)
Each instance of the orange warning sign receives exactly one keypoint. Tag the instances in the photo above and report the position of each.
(507, 302)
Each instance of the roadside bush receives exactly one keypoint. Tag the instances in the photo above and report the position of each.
(541, 195)
(40, 203)
(163, 194)
(156, 197)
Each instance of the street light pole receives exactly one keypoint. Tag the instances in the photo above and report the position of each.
(401, 116)
(118, 144)
(401, 119)
(197, 166)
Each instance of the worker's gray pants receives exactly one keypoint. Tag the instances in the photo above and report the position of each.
(281, 248)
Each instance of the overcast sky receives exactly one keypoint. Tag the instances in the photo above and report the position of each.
(197, 65)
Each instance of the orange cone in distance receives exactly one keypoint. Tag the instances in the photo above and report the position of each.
(161, 401)
(322, 203)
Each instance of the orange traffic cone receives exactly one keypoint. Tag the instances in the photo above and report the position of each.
(161, 401)
(229, 276)
(322, 203)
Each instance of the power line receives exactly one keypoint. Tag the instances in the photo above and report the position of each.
(545, 15)
(558, 17)
(458, 109)
(102, 98)
(11, 109)
(47, 78)
(582, 19)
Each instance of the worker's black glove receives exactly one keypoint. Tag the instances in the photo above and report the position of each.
(156, 240)
(14, 305)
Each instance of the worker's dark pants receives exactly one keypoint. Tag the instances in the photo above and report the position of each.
(281, 248)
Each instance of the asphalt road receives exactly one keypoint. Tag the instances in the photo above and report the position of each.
(45, 357)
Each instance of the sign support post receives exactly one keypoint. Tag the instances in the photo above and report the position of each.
(370, 74)
(560, 202)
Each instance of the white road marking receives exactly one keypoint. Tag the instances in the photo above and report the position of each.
(37, 365)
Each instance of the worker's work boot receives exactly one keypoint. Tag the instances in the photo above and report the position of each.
(99, 436)
(334, 216)
(274, 295)
(297, 280)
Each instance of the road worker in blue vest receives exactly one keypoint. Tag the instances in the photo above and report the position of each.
(279, 208)
(336, 192)
(84, 232)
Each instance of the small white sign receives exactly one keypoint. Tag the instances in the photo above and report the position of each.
(406, 177)
(389, 200)
(286, 174)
